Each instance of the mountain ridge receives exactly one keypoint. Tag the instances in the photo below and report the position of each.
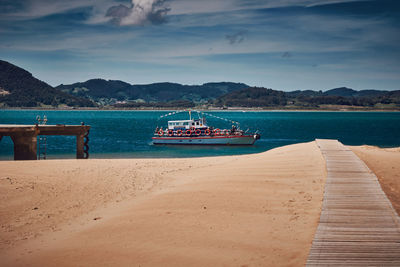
(264, 97)
(18, 88)
(98, 89)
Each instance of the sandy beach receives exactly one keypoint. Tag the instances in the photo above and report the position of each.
(250, 210)
(259, 209)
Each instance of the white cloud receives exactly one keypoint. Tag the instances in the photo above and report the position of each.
(144, 11)
(140, 12)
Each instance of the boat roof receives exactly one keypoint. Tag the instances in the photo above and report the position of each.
(183, 121)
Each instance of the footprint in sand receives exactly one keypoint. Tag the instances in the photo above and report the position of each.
(308, 197)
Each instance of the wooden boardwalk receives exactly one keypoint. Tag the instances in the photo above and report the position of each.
(358, 225)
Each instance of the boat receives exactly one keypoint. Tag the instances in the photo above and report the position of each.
(197, 132)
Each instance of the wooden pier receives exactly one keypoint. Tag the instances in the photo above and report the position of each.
(358, 225)
(25, 137)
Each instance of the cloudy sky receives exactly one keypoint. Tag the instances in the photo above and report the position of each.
(279, 44)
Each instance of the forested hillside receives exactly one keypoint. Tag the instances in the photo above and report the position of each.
(263, 97)
(18, 88)
(110, 91)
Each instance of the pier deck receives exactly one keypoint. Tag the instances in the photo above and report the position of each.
(25, 137)
(358, 225)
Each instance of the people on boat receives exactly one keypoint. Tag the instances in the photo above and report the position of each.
(233, 130)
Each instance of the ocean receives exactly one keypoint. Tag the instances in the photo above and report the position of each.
(127, 134)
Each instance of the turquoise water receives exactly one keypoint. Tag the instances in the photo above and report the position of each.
(126, 134)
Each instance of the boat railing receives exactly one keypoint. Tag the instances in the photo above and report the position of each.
(197, 132)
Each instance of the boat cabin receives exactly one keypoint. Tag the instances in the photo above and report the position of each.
(186, 124)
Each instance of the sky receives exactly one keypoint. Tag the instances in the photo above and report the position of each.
(280, 44)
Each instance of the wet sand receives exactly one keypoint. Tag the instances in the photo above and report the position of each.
(250, 210)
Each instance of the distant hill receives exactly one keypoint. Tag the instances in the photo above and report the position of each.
(347, 92)
(18, 88)
(111, 91)
(305, 93)
(342, 91)
(263, 97)
(97, 88)
(253, 97)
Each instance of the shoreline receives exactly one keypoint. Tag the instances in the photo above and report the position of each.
(206, 110)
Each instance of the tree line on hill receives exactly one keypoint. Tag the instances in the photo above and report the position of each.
(263, 97)
(157, 92)
(18, 88)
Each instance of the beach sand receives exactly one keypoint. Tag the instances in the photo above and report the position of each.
(385, 163)
(249, 210)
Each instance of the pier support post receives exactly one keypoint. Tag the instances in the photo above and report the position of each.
(25, 146)
(79, 146)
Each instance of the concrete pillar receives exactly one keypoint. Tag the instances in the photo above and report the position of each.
(79, 146)
(25, 146)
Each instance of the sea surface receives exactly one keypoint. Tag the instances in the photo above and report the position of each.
(127, 134)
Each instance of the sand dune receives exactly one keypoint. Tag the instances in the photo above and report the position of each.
(251, 210)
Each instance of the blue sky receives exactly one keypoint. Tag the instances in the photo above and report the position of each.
(280, 44)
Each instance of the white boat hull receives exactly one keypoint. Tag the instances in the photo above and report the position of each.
(206, 140)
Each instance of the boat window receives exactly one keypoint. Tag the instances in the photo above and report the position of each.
(197, 123)
(185, 123)
(192, 123)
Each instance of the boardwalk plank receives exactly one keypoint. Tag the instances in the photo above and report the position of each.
(358, 225)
